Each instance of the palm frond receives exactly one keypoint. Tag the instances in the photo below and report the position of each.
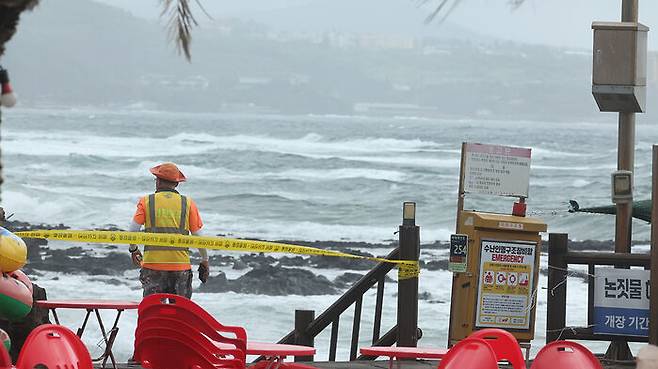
(446, 7)
(180, 24)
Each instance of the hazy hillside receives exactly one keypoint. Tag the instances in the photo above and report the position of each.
(99, 55)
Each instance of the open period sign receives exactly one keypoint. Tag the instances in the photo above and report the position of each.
(621, 301)
(505, 288)
(496, 170)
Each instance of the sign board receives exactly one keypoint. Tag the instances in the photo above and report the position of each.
(496, 170)
(505, 288)
(621, 301)
(458, 253)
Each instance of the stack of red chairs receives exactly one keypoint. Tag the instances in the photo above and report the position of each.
(175, 333)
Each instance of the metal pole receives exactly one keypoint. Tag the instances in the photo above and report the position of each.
(302, 320)
(625, 161)
(629, 10)
(556, 317)
(618, 349)
(460, 194)
(626, 151)
(408, 288)
(653, 301)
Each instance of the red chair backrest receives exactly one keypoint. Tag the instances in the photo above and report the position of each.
(504, 345)
(171, 353)
(565, 355)
(5, 359)
(172, 323)
(216, 352)
(185, 310)
(470, 353)
(54, 346)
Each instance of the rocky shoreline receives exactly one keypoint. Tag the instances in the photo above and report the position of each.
(284, 275)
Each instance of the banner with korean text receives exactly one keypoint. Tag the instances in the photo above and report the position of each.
(621, 301)
(505, 289)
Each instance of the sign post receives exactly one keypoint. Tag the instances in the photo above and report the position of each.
(494, 257)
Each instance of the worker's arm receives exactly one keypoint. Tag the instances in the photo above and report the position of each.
(135, 254)
(202, 252)
(195, 228)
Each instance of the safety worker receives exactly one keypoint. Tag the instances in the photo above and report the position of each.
(167, 269)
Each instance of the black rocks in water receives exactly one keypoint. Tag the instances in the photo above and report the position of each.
(436, 265)
(78, 261)
(346, 280)
(273, 281)
(331, 262)
(294, 261)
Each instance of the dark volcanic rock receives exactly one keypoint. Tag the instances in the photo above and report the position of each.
(218, 283)
(257, 260)
(77, 261)
(273, 281)
(239, 265)
(331, 262)
(346, 280)
(437, 265)
(294, 261)
(424, 296)
(112, 281)
(268, 280)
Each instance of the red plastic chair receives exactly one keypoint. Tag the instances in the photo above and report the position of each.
(212, 351)
(171, 353)
(470, 353)
(5, 360)
(54, 346)
(185, 310)
(565, 355)
(504, 345)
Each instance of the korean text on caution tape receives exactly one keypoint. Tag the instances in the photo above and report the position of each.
(406, 268)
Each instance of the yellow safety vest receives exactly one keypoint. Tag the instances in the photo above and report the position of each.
(166, 212)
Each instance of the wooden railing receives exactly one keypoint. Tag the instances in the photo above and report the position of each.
(405, 333)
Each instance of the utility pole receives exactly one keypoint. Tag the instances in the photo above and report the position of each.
(618, 349)
(626, 152)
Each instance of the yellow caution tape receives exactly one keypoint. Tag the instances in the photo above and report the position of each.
(406, 268)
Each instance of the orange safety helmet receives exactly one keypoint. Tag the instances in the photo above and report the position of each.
(168, 172)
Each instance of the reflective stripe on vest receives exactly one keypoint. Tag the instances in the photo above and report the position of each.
(166, 212)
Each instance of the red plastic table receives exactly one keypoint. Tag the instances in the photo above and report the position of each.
(94, 306)
(404, 352)
(275, 353)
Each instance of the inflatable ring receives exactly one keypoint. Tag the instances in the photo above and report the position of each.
(15, 296)
(13, 251)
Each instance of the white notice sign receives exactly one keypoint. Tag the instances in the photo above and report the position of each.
(496, 170)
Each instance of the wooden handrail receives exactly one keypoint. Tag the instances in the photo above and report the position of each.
(331, 316)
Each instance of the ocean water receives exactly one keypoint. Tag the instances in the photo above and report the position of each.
(305, 178)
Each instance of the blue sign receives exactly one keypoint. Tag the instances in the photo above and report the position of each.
(621, 302)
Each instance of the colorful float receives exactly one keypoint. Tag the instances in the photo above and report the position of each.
(15, 295)
(15, 286)
(13, 251)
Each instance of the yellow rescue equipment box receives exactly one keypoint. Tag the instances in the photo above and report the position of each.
(495, 285)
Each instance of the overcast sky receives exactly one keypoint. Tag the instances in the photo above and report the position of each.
(553, 22)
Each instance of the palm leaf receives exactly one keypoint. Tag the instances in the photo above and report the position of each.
(446, 7)
(180, 24)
